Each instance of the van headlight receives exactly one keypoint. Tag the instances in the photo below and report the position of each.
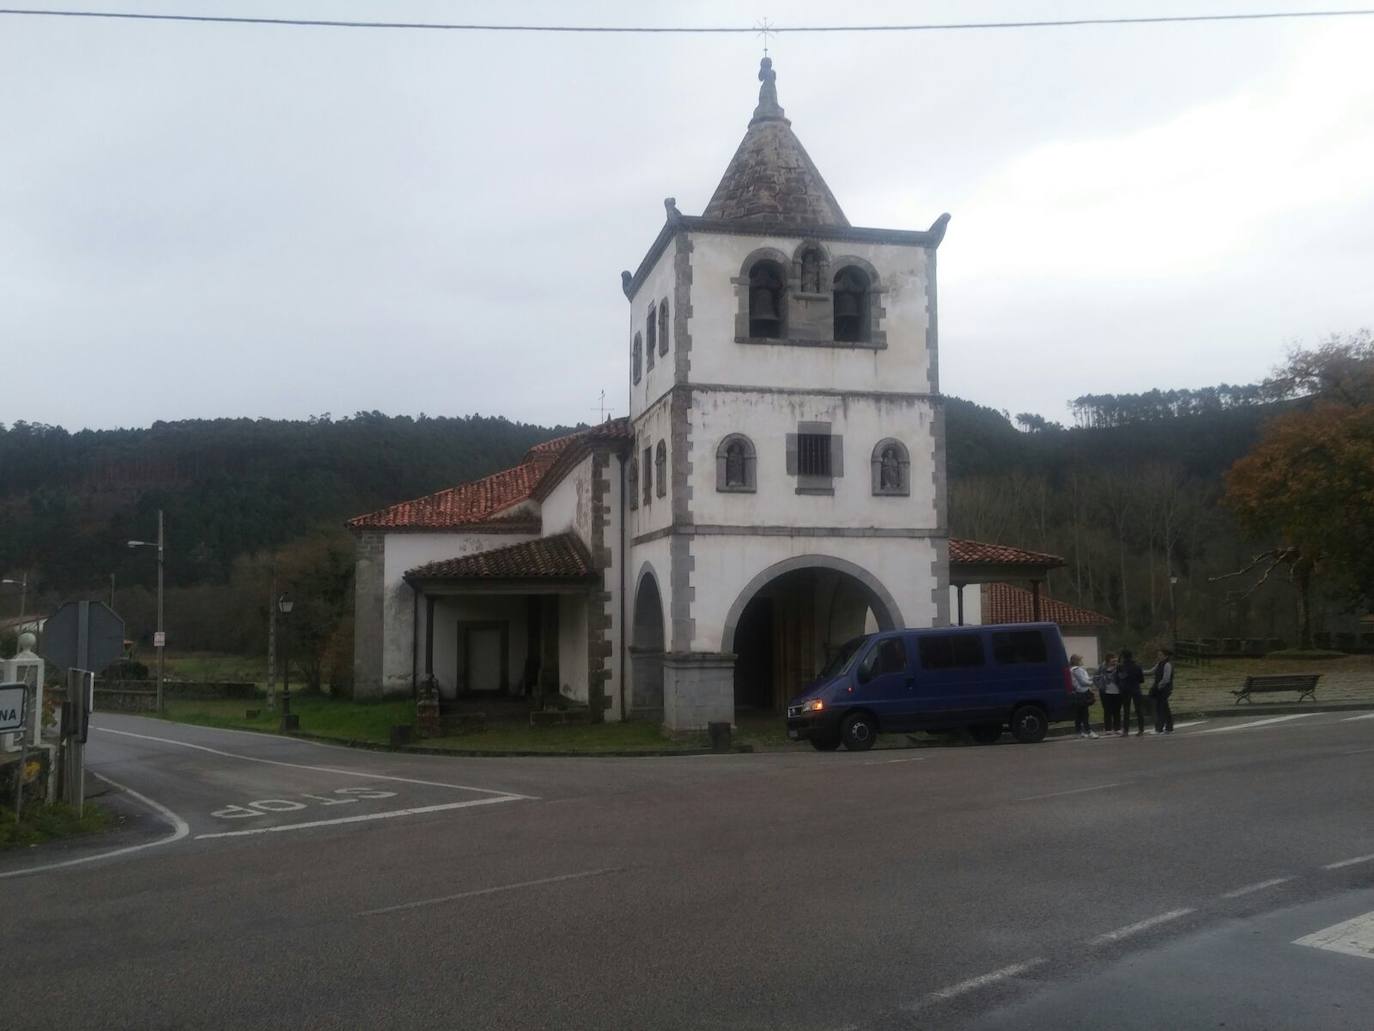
(815, 705)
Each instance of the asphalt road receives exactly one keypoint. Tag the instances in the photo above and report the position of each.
(1125, 883)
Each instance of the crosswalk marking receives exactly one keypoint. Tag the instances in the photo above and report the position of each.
(1353, 937)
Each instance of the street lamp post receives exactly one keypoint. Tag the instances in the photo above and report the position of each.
(288, 720)
(160, 638)
(1173, 613)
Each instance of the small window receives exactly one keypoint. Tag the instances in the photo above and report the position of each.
(648, 475)
(1019, 646)
(661, 467)
(766, 300)
(951, 651)
(637, 358)
(663, 326)
(651, 336)
(851, 305)
(735, 465)
(633, 477)
(813, 454)
(888, 657)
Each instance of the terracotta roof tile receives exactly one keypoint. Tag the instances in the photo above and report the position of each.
(973, 552)
(1005, 603)
(469, 504)
(562, 557)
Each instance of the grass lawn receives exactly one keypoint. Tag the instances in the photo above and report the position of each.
(352, 721)
(1347, 679)
(46, 822)
(209, 666)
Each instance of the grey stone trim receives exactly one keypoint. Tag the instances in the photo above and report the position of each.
(731, 530)
(903, 489)
(599, 617)
(932, 324)
(682, 592)
(888, 614)
(682, 309)
(680, 431)
(369, 611)
(750, 484)
(939, 577)
(940, 476)
(816, 490)
(843, 345)
(867, 395)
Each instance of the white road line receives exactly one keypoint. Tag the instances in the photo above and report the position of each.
(1353, 937)
(889, 762)
(179, 831)
(362, 817)
(1072, 791)
(1144, 925)
(1260, 886)
(1260, 723)
(1349, 862)
(303, 766)
(491, 891)
(974, 983)
(1364, 716)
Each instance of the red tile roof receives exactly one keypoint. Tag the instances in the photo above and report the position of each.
(479, 503)
(976, 552)
(562, 557)
(1004, 603)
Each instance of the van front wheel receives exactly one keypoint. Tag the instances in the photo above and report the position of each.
(1029, 725)
(859, 732)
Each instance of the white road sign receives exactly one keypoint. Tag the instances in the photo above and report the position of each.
(159, 639)
(13, 705)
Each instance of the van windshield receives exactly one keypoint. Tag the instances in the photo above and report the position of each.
(842, 659)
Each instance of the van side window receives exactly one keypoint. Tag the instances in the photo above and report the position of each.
(951, 651)
(1024, 646)
(888, 657)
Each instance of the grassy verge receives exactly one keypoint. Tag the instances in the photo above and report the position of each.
(589, 738)
(46, 822)
(353, 721)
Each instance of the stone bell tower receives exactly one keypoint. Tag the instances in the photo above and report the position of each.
(787, 487)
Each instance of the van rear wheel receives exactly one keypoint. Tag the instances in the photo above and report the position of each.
(858, 732)
(986, 733)
(1029, 725)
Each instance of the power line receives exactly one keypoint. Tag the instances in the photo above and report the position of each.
(686, 29)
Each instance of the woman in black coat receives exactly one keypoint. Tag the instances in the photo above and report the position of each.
(1130, 678)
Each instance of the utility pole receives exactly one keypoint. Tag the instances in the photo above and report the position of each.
(161, 627)
(272, 646)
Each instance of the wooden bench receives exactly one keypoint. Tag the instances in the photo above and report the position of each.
(1304, 683)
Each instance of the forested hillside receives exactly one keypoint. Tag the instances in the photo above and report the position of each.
(1127, 499)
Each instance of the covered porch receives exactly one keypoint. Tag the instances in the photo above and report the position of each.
(973, 563)
(505, 626)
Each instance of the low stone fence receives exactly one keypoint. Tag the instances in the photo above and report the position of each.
(141, 695)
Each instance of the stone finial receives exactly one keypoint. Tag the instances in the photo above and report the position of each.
(626, 278)
(768, 108)
(670, 206)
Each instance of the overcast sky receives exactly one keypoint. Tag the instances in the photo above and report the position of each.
(210, 220)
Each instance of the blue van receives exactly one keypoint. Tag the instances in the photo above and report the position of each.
(983, 678)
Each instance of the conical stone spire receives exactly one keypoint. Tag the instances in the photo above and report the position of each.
(771, 179)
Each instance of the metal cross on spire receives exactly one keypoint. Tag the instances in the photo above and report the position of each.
(765, 28)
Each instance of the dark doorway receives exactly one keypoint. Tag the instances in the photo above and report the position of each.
(646, 650)
(754, 656)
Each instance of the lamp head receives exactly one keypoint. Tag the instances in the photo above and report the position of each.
(285, 604)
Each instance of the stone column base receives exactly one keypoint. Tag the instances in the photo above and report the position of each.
(698, 688)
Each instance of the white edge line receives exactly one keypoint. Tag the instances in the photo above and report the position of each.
(1261, 723)
(1349, 862)
(1136, 928)
(317, 769)
(491, 891)
(973, 983)
(362, 818)
(179, 831)
(1259, 886)
(1363, 716)
(1072, 791)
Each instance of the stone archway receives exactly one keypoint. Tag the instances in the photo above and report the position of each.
(791, 618)
(647, 639)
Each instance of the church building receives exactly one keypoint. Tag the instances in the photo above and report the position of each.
(777, 488)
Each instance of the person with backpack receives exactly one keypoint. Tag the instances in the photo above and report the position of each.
(1082, 696)
(1160, 691)
(1107, 688)
(1130, 678)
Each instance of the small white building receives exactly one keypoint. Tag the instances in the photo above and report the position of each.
(778, 486)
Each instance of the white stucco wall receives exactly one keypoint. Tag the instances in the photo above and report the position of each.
(572, 646)
(650, 427)
(657, 285)
(1086, 645)
(403, 551)
(448, 612)
(569, 505)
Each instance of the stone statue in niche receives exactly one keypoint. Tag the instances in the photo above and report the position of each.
(890, 470)
(811, 272)
(734, 464)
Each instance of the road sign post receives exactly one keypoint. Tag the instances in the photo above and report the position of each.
(14, 708)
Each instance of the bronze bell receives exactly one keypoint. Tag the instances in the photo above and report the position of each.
(763, 305)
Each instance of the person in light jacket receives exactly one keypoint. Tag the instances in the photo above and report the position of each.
(1082, 689)
(1130, 678)
(1110, 691)
(1160, 691)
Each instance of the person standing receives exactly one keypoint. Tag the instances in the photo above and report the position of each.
(1131, 678)
(1110, 691)
(1083, 697)
(1160, 691)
